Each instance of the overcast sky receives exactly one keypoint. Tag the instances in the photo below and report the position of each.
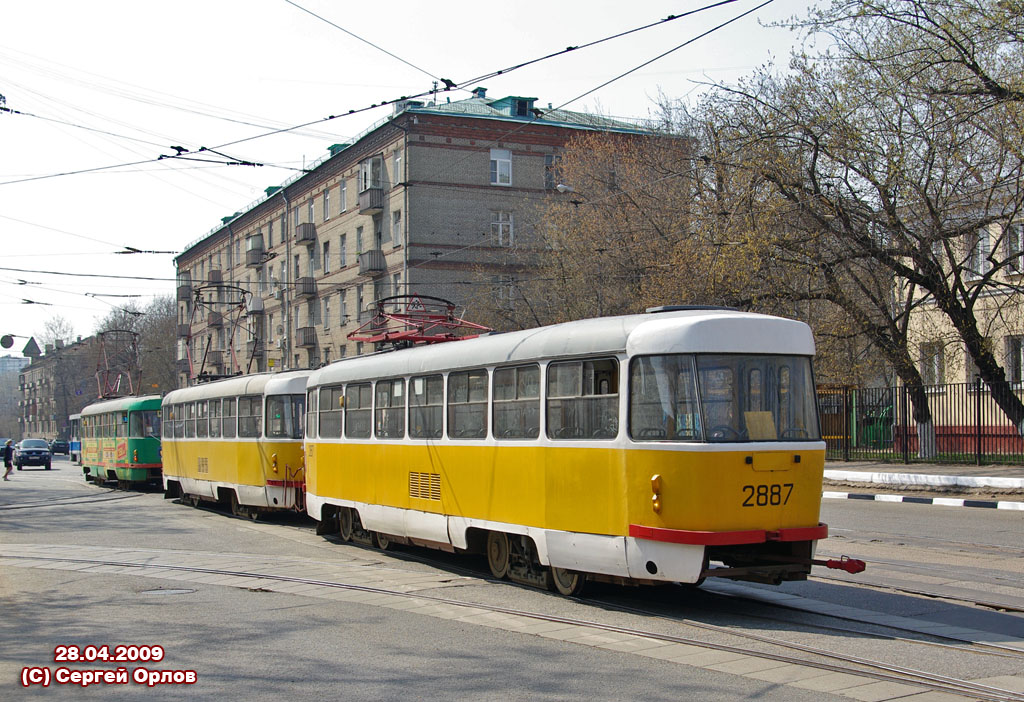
(116, 82)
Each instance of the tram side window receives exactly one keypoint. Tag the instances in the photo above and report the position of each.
(250, 416)
(228, 418)
(122, 424)
(583, 399)
(202, 420)
(467, 405)
(663, 399)
(426, 407)
(389, 417)
(358, 420)
(168, 413)
(179, 421)
(190, 420)
(284, 416)
(332, 402)
(517, 402)
(215, 419)
(311, 414)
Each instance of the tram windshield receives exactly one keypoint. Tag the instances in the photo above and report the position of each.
(284, 416)
(722, 398)
(144, 424)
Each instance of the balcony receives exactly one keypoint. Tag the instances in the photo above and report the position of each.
(372, 262)
(305, 233)
(306, 337)
(215, 276)
(184, 292)
(255, 257)
(306, 287)
(214, 319)
(254, 306)
(182, 365)
(213, 358)
(254, 349)
(184, 330)
(371, 201)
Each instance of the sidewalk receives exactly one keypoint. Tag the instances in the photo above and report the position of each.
(998, 486)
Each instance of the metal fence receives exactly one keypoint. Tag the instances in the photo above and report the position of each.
(878, 424)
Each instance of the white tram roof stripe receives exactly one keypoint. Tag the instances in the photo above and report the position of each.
(686, 331)
(116, 404)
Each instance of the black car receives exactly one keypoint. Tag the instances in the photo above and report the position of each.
(32, 452)
(60, 446)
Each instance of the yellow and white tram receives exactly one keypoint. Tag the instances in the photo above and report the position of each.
(667, 446)
(237, 441)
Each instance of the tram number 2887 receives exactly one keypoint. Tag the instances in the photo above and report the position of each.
(764, 495)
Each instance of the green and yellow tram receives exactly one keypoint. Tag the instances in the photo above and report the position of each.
(121, 441)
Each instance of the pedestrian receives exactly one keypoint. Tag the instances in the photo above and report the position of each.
(8, 454)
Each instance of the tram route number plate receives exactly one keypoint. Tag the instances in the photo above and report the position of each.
(765, 495)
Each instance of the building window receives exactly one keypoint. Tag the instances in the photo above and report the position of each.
(371, 172)
(501, 228)
(342, 308)
(1014, 245)
(341, 250)
(327, 257)
(397, 281)
(978, 263)
(298, 268)
(359, 304)
(309, 210)
(359, 240)
(1015, 358)
(270, 327)
(396, 166)
(501, 167)
(270, 234)
(396, 227)
(933, 363)
(327, 313)
(551, 171)
(343, 196)
(327, 204)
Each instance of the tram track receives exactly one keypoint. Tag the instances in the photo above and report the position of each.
(828, 661)
(65, 501)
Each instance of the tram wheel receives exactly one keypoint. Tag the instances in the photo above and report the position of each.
(497, 553)
(345, 524)
(381, 541)
(237, 509)
(567, 582)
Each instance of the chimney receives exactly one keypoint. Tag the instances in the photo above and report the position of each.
(480, 93)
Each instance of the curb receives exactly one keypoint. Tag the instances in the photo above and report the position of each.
(941, 501)
(889, 478)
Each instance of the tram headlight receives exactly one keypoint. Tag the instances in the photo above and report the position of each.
(135, 455)
(273, 461)
(656, 489)
(656, 504)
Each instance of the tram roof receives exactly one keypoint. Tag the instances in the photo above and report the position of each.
(121, 403)
(256, 384)
(682, 331)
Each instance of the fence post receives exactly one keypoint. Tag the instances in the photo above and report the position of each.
(904, 429)
(977, 421)
(846, 423)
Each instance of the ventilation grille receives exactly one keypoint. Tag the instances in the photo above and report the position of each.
(425, 486)
(204, 465)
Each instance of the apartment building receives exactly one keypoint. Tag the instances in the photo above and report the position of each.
(438, 199)
(54, 385)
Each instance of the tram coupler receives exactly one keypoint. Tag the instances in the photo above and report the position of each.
(850, 565)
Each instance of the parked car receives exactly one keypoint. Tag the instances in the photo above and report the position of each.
(32, 452)
(60, 446)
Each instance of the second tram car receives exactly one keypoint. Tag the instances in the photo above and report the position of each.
(656, 447)
(121, 440)
(237, 441)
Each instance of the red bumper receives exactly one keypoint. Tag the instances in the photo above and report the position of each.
(727, 538)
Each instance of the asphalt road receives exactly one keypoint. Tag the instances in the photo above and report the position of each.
(308, 643)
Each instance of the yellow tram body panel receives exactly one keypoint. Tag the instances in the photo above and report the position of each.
(585, 490)
(238, 462)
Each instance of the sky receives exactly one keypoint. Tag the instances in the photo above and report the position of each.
(104, 89)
